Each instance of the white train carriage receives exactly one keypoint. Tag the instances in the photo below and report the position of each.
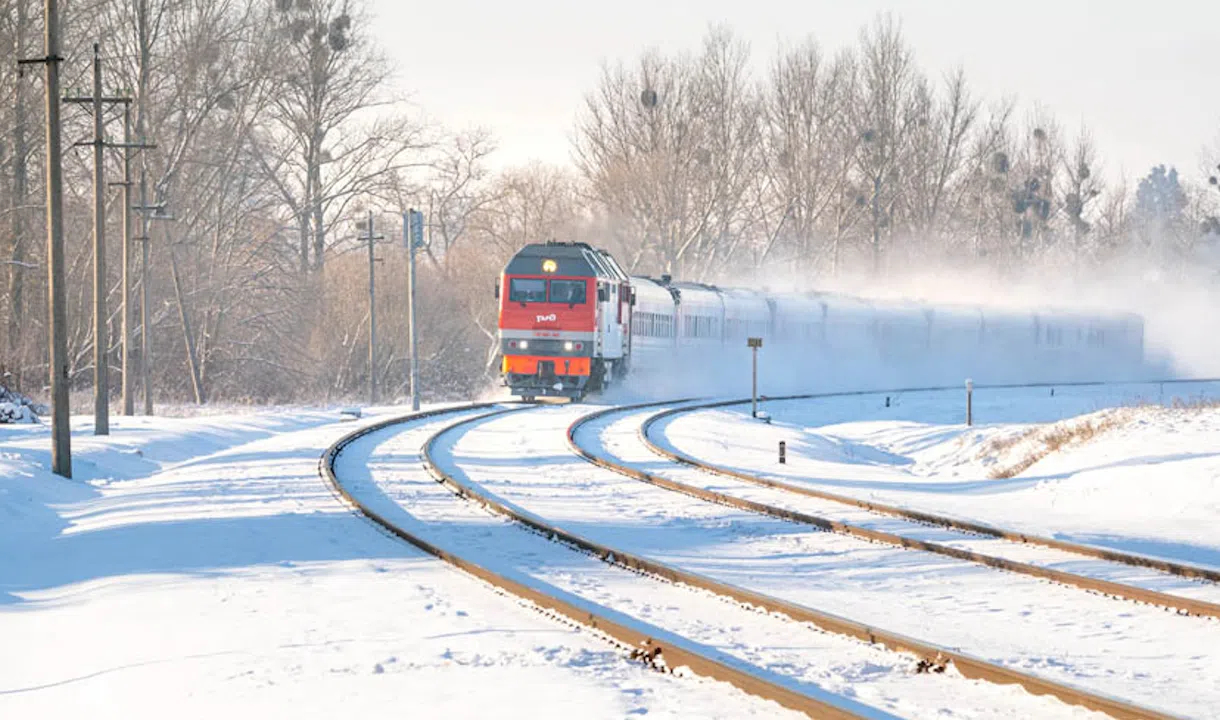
(901, 332)
(798, 320)
(700, 316)
(954, 332)
(849, 330)
(654, 324)
(747, 314)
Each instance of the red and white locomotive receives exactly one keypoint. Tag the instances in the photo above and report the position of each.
(572, 322)
(565, 319)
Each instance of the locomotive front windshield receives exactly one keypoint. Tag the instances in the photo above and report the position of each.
(571, 292)
(527, 290)
(535, 290)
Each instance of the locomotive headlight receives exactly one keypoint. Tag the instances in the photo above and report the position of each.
(523, 344)
(568, 346)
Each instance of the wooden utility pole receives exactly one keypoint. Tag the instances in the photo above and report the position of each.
(61, 438)
(128, 395)
(372, 238)
(128, 146)
(145, 353)
(101, 338)
(141, 129)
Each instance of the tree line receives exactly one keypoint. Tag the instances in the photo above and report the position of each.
(278, 125)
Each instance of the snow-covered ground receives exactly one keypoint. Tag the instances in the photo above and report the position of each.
(1055, 631)
(201, 567)
(388, 477)
(1148, 483)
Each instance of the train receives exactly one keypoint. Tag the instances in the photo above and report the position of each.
(572, 323)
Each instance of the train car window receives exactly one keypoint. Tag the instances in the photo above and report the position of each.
(526, 290)
(569, 292)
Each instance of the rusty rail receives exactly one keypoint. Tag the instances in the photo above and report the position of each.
(1168, 566)
(933, 655)
(641, 644)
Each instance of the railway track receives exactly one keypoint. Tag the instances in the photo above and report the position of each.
(672, 649)
(906, 537)
(640, 641)
(1173, 568)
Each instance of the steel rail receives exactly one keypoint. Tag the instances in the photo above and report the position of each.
(1107, 587)
(1168, 566)
(641, 644)
(931, 655)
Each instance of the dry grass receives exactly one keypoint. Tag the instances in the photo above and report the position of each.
(1196, 403)
(1052, 439)
(1001, 444)
(1047, 440)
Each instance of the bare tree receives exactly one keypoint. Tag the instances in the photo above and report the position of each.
(327, 144)
(668, 150)
(456, 192)
(888, 108)
(807, 147)
(933, 167)
(18, 258)
(1082, 190)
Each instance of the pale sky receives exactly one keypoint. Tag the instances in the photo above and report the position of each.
(1143, 76)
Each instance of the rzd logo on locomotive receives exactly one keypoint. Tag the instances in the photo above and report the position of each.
(547, 318)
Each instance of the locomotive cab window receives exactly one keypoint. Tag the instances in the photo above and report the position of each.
(569, 292)
(526, 290)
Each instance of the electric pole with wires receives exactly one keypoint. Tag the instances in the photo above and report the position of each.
(61, 438)
(371, 238)
(101, 379)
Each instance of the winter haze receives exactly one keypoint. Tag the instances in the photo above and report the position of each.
(945, 151)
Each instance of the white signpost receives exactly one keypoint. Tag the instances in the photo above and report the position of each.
(754, 344)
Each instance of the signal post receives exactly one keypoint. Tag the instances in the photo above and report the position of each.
(754, 344)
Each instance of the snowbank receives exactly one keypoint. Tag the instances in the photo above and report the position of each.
(17, 408)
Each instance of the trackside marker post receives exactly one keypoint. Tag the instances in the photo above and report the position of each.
(754, 343)
(969, 403)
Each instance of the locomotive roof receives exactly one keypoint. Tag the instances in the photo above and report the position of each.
(570, 259)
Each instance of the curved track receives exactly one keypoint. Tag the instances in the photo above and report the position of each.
(673, 651)
(641, 643)
(656, 644)
(1173, 568)
(902, 536)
